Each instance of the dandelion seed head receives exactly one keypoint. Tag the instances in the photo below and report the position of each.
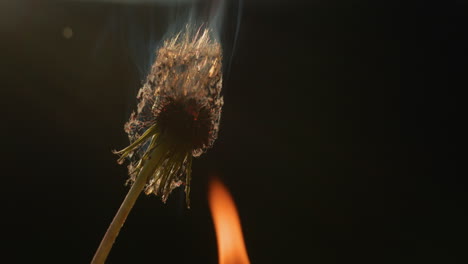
(179, 109)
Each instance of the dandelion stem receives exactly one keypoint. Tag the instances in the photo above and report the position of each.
(149, 166)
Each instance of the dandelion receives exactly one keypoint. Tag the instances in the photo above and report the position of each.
(177, 119)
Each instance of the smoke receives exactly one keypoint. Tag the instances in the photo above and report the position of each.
(142, 25)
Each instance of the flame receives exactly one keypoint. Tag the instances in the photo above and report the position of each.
(231, 247)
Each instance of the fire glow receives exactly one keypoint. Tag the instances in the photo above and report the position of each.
(231, 247)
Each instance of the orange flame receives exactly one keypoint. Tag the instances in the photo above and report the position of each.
(231, 247)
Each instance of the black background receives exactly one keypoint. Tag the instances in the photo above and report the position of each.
(338, 138)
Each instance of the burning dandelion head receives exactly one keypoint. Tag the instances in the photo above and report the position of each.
(178, 112)
(179, 108)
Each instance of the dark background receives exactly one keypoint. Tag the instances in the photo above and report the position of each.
(338, 138)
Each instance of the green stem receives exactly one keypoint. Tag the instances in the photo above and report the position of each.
(113, 231)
